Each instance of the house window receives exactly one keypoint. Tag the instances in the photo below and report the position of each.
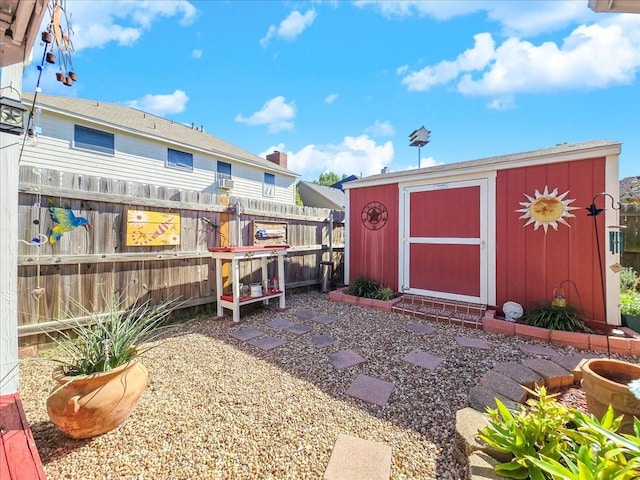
(269, 187)
(178, 159)
(91, 139)
(224, 170)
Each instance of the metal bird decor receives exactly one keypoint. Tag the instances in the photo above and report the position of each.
(65, 222)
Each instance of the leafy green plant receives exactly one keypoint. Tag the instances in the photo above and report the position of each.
(630, 303)
(106, 340)
(554, 317)
(551, 441)
(362, 287)
(628, 279)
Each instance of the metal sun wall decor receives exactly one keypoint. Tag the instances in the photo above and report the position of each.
(547, 209)
(152, 228)
(374, 215)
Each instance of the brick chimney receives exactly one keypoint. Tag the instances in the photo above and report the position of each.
(279, 158)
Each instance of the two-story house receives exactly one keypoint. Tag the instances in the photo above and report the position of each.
(91, 137)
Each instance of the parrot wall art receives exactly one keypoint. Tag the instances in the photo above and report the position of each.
(66, 221)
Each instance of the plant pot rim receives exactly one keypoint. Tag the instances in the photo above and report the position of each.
(590, 368)
(59, 376)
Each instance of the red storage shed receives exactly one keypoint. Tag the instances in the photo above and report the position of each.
(513, 227)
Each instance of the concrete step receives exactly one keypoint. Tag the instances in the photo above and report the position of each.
(354, 458)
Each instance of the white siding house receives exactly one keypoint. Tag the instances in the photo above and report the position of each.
(101, 139)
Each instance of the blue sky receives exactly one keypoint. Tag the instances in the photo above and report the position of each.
(340, 85)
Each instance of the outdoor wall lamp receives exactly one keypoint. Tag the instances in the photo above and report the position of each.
(12, 116)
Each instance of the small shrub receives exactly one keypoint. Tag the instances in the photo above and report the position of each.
(630, 303)
(556, 318)
(362, 287)
(628, 279)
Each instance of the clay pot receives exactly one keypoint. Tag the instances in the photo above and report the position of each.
(605, 383)
(59, 76)
(50, 57)
(84, 406)
(47, 37)
(73, 76)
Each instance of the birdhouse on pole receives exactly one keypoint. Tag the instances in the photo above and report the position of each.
(419, 137)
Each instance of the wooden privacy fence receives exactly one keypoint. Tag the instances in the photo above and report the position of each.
(88, 265)
(630, 217)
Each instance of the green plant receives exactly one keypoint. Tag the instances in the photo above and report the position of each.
(628, 279)
(106, 340)
(630, 303)
(362, 287)
(551, 441)
(554, 317)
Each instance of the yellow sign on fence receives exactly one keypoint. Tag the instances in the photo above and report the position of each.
(152, 228)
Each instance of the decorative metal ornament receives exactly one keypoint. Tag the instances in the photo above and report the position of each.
(547, 209)
(374, 215)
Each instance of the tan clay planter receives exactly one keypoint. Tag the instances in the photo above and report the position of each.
(84, 406)
(605, 382)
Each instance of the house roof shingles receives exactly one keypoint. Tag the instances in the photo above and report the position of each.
(135, 121)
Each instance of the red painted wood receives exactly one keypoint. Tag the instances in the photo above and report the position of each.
(446, 268)
(19, 458)
(530, 264)
(450, 212)
(374, 253)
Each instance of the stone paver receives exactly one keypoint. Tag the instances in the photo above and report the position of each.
(481, 397)
(521, 374)
(320, 341)
(353, 458)
(324, 319)
(246, 334)
(421, 328)
(553, 374)
(298, 329)
(267, 343)
(473, 343)
(306, 313)
(573, 363)
(345, 359)
(371, 390)
(422, 359)
(508, 387)
(538, 350)
(280, 324)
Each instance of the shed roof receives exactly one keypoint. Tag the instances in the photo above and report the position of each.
(314, 195)
(559, 153)
(137, 122)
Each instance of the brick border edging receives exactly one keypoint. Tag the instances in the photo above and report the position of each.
(384, 305)
(582, 341)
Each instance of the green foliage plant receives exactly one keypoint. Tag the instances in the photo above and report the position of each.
(628, 279)
(551, 441)
(365, 288)
(554, 317)
(630, 303)
(111, 338)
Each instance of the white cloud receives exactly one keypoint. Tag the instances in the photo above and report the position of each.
(290, 27)
(402, 69)
(276, 113)
(95, 24)
(353, 156)
(381, 129)
(161, 104)
(592, 56)
(331, 98)
(197, 53)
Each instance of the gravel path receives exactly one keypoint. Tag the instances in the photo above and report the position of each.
(219, 408)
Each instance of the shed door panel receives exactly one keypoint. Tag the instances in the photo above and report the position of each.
(445, 241)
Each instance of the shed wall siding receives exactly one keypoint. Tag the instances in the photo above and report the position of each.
(531, 264)
(374, 253)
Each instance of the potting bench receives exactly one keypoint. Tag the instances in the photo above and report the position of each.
(234, 300)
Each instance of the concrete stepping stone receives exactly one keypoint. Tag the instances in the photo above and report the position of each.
(472, 343)
(421, 328)
(538, 350)
(468, 422)
(371, 390)
(280, 324)
(353, 458)
(554, 375)
(422, 359)
(481, 397)
(324, 319)
(306, 313)
(521, 374)
(345, 359)
(298, 329)
(504, 385)
(267, 343)
(320, 341)
(246, 334)
(573, 363)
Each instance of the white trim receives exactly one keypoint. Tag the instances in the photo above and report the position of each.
(446, 240)
(347, 236)
(611, 218)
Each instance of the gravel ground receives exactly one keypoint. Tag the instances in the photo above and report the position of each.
(219, 408)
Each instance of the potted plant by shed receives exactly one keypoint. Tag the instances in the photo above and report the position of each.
(100, 377)
(630, 309)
